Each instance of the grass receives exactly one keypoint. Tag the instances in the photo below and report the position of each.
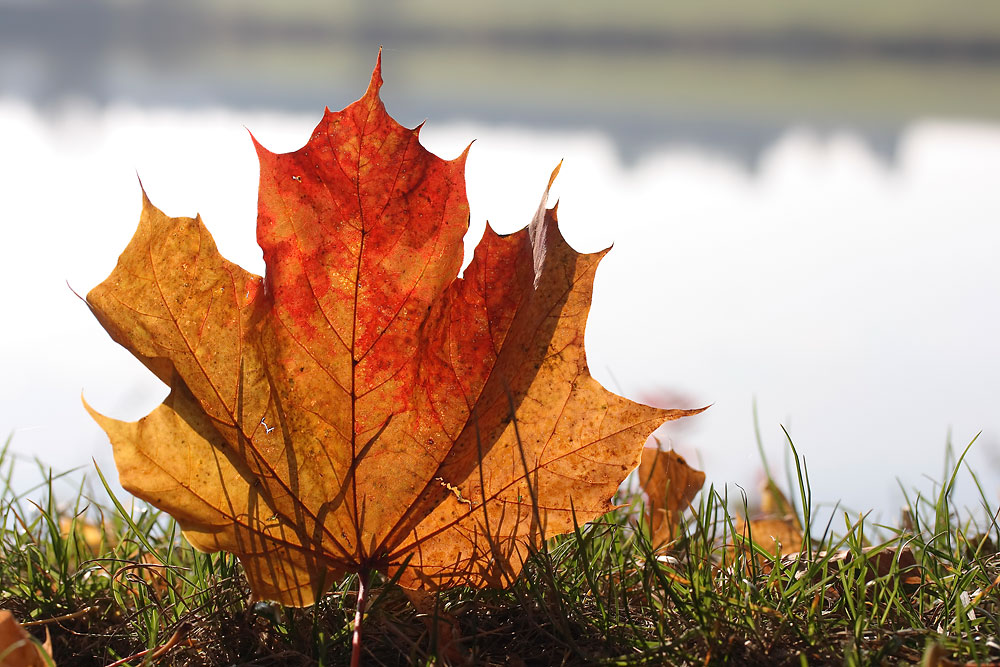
(118, 585)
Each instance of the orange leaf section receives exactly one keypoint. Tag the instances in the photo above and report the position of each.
(360, 407)
(16, 646)
(670, 485)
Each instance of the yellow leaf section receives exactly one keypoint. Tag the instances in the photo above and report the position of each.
(178, 305)
(193, 318)
(214, 499)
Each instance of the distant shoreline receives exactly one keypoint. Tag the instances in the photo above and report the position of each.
(718, 83)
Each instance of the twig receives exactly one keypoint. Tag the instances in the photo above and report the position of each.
(64, 617)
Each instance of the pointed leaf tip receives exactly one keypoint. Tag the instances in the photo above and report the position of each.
(463, 157)
(552, 178)
(376, 81)
(101, 420)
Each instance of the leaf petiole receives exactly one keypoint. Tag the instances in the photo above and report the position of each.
(358, 614)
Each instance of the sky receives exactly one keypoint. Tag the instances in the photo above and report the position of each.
(850, 297)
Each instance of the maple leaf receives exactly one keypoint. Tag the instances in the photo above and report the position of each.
(361, 407)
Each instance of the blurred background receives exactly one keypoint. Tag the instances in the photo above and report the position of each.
(714, 74)
(802, 196)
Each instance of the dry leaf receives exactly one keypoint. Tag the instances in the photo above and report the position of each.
(360, 407)
(670, 485)
(776, 529)
(94, 536)
(778, 537)
(774, 504)
(936, 656)
(881, 560)
(16, 647)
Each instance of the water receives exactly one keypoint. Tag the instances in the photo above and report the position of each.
(853, 297)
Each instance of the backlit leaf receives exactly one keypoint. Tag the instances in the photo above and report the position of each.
(360, 406)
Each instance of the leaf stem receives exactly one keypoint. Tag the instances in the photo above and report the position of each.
(358, 614)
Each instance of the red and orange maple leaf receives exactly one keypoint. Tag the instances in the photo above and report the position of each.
(361, 407)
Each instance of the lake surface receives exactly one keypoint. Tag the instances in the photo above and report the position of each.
(850, 292)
